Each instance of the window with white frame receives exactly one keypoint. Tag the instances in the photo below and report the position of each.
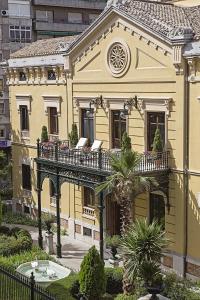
(19, 9)
(20, 34)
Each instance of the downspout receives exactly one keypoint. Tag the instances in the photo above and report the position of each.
(186, 107)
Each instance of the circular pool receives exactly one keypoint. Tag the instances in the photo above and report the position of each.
(45, 271)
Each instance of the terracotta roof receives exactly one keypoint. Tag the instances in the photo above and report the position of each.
(45, 47)
(162, 18)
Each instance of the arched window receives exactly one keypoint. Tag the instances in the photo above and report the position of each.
(157, 209)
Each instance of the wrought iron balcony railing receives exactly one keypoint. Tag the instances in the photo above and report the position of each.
(98, 160)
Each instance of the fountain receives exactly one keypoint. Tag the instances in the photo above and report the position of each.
(44, 271)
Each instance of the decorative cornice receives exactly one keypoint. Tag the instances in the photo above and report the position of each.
(86, 102)
(114, 102)
(52, 101)
(152, 103)
(23, 100)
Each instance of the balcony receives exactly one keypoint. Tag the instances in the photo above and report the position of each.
(88, 211)
(59, 26)
(89, 4)
(99, 161)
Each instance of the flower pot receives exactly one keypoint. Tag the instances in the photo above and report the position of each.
(154, 290)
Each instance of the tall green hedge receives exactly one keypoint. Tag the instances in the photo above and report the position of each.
(92, 277)
(14, 241)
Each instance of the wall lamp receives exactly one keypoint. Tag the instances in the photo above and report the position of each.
(96, 102)
(128, 104)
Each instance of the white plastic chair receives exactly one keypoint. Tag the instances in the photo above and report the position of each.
(81, 143)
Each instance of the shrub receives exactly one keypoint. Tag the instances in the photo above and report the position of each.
(4, 230)
(126, 297)
(13, 261)
(73, 136)
(66, 288)
(92, 276)
(44, 134)
(114, 278)
(177, 288)
(157, 142)
(15, 241)
(11, 218)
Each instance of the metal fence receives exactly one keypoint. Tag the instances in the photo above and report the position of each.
(100, 160)
(14, 286)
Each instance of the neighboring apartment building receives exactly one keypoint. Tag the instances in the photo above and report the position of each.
(15, 28)
(63, 17)
(139, 48)
(50, 19)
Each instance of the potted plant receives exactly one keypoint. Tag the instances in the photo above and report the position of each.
(48, 220)
(44, 135)
(141, 248)
(151, 274)
(157, 146)
(113, 243)
(73, 136)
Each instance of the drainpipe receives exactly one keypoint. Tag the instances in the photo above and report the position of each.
(186, 108)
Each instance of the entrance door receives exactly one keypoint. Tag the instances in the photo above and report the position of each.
(112, 217)
(157, 209)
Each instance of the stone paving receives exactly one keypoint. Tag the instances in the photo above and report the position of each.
(73, 251)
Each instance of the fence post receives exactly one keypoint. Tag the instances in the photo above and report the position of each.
(32, 280)
(100, 158)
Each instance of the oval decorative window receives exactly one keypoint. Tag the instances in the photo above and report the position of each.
(118, 58)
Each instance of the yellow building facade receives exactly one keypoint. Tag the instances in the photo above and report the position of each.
(94, 82)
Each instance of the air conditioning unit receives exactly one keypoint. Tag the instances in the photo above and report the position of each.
(4, 13)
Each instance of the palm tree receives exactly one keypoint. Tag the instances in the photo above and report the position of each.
(126, 183)
(142, 246)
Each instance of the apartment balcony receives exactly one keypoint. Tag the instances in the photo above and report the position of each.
(58, 26)
(98, 161)
(88, 4)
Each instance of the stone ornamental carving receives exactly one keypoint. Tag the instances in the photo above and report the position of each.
(118, 58)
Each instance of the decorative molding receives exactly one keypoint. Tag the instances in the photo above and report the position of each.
(118, 57)
(177, 59)
(129, 28)
(52, 101)
(154, 104)
(85, 102)
(23, 100)
(114, 103)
